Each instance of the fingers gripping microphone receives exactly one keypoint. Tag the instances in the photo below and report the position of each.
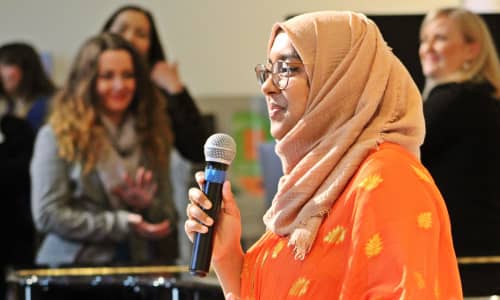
(220, 150)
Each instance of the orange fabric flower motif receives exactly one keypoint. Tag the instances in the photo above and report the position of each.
(371, 182)
(335, 236)
(299, 287)
(264, 257)
(424, 220)
(421, 174)
(420, 280)
(277, 249)
(374, 246)
(437, 292)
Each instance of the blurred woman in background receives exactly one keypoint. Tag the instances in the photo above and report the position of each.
(100, 186)
(137, 26)
(25, 87)
(462, 143)
(25, 90)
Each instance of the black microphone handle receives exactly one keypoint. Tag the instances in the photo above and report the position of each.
(203, 242)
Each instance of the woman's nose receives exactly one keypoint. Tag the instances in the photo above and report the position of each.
(268, 87)
(428, 45)
(129, 36)
(118, 83)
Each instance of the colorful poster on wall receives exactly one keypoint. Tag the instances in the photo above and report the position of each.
(250, 130)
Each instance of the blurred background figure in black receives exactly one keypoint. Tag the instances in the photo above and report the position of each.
(25, 90)
(462, 143)
(136, 24)
(16, 144)
(25, 87)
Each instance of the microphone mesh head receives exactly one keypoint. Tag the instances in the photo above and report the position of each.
(220, 148)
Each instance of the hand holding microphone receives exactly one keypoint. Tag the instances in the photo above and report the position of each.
(209, 230)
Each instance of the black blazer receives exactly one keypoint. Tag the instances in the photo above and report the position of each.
(462, 152)
(16, 146)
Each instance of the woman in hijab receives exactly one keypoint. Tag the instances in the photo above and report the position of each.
(356, 216)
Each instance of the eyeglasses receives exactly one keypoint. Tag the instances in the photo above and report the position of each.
(280, 72)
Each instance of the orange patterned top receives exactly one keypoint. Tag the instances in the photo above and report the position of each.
(387, 237)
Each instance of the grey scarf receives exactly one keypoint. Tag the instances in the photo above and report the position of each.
(122, 154)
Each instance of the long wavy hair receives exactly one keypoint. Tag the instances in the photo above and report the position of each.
(486, 66)
(156, 52)
(75, 112)
(34, 81)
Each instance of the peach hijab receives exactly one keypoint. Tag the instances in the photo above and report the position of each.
(360, 96)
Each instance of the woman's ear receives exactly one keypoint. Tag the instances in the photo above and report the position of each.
(472, 50)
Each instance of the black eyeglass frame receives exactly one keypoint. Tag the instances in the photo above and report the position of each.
(280, 72)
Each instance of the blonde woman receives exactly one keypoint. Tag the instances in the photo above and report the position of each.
(462, 143)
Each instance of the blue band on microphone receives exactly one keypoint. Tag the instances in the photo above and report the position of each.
(214, 175)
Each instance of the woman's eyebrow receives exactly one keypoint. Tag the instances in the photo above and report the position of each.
(286, 56)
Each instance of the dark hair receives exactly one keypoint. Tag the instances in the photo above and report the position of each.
(34, 81)
(156, 52)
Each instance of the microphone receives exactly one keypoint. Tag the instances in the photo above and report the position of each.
(220, 150)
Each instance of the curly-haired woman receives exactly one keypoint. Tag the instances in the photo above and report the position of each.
(101, 191)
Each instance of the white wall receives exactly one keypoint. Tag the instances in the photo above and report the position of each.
(217, 42)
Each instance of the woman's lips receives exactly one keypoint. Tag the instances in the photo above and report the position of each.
(275, 109)
(120, 97)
